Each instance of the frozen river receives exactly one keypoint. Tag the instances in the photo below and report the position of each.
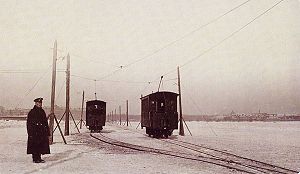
(272, 142)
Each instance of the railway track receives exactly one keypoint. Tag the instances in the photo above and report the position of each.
(232, 158)
(226, 162)
(229, 157)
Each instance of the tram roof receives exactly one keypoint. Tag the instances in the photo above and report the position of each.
(95, 101)
(159, 93)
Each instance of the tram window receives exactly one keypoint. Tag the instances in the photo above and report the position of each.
(172, 104)
(160, 106)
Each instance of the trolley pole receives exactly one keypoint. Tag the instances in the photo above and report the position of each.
(181, 129)
(67, 119)
(127, 113)
(81, 109)
(51, 117)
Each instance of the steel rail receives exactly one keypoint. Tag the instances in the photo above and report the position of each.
(273, 168)
(187, 156)
(286, 170)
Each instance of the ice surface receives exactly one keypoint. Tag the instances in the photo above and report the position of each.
(276, 143)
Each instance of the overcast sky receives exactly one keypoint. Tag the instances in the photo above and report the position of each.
(225, 65)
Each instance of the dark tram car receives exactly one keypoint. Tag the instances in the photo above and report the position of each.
(159, 113)
(95, 115)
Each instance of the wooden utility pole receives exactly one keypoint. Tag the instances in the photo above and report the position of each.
(67, 118)
(51, 119)
(181, 130)
(127, 113)
(81, 109)
(120, 115)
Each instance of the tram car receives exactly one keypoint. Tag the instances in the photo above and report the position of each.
(159, 113)
(95, 115)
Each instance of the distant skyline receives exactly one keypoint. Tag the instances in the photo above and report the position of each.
(225, 64)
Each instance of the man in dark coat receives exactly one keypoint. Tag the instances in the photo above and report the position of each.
(38, 132)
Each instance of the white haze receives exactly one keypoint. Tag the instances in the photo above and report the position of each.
(257, 68)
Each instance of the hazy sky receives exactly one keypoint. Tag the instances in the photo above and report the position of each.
(245, 70)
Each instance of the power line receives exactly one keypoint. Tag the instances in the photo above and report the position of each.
(86, 78)
(219, 43)
(175, 41)
(232, 34)
(226, 38)
(188, 34)
(13, 71)
(63, 84)
(28, 92)
(216, 45)
(197, 107)
(25, 72)
(100, 62)
(113, 81)
(121, 81)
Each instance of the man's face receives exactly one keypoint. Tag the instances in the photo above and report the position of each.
(39, 104)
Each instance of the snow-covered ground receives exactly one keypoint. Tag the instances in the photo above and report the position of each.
(276, 143)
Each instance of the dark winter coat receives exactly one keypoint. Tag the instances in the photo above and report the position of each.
(38, 132)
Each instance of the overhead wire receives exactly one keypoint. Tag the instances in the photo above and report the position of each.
(206, 51)
(118, 81)
(189, 33)
(102, 62)
(219, 43)
(222, 41)
(203, 74)
(24, 71)
(60, 90)
(234, 33)
(199, 110)
(19, 71)
(211, 48)
(34, 85)
(226, 38)
(175, 41)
